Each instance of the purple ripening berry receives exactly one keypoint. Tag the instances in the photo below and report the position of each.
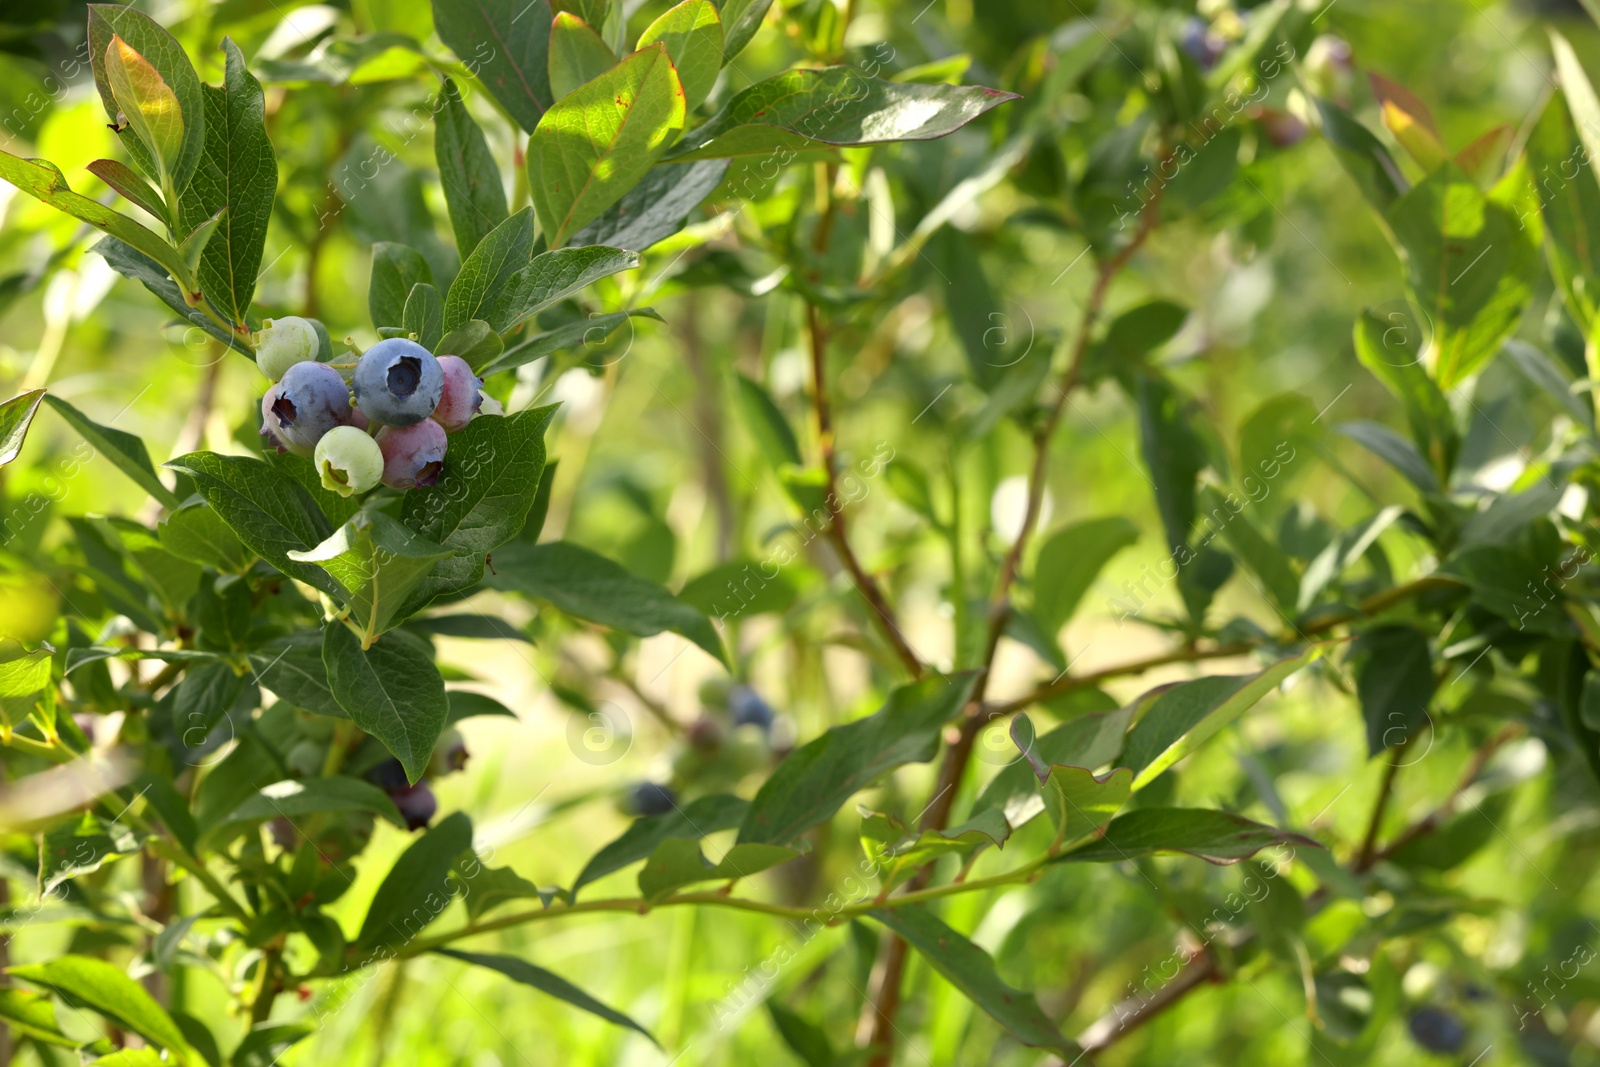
(388, 775)
(311, 400)
(460, 399)
(397, 382)
(412, 455)
(651, 798)
(416, 804)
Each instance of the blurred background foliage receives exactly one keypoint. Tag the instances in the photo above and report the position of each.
(1272, 256)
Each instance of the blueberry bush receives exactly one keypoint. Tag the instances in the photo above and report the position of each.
(840, 531)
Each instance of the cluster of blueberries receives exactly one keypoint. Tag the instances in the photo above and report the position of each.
(384, 418)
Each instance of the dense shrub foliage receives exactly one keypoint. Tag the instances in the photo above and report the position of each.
(846, 531)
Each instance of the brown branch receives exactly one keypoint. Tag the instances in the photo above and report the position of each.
(1369, 843)
(877, 1022)
(1372, 605)
(837, 531)
(1128, 1015)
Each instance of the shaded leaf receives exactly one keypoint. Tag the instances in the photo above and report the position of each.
(706, 815)
(467, 172)
(391, 690)
(817, 778)
(546, 982)
(1219, 837)
(506, 44)
(678, 862)
(971, 970)
(418, 887)
(125, 451)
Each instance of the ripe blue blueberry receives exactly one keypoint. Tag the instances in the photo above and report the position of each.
(651, 798)
(1438, 1030)
(747, 708)
(398, 382)
(412, 455)
(283, 342)
(348, 461)
(311, 400)
(416, 804)
(460, 399)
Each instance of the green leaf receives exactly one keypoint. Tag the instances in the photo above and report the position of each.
(16, 415)
(292, 799)
(589, 586)
(465, 705)
(739, 588)
(1391, 347)
(108, 990)
(1185, 716)
(266, 1043)
(1556, 383)
(817, 778)
(42, 181)
(474, 341)
(1219, 837)
(417, 888)
(1571, 204)
(559, 273)
(899, 851)
(125, 451)
(552, 984)
(396, 268)
(489, 887)
(171, 65)
(125, 180)
(129, 262)
(1088, 741)
(1173, 452)
(391, 690)
(1394, 680)
(678, 862)
(291, 667)
(767, 423)
(740, 21)
(1393, 450)
(481, 627)
(485, 288)
(505, 43)
(269, 512)
(692, 32)
(592, 331)
(32, 1017)
(377, 561)
(1079, 803)
(656, 208)
(577, 54)
(706, 815)
(196, 533)
(424, 315)
(594, 145)
(81, 847)
(804, 1038)
(482, 498)
(800, 109)
(1470, 264)
(1068, 563)
(971, 970)
(1363, 157)
(467, 171)
(1279, 584)
(238, 176)
(130, 1057)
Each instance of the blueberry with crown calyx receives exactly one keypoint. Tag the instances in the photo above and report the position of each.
(397, 382)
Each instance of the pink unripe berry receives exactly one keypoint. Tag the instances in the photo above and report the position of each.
(460, 399)
(412, 455)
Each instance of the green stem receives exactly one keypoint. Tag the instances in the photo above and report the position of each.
(639, 905)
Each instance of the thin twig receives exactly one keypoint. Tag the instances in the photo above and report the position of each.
(868, 586)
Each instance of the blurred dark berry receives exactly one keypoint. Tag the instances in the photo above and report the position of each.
(748, 709)
(1198, 41)
(705, 734)
(652, 798)
(389, 775)
(283, 833)
(1438, 1030)
(416, 804)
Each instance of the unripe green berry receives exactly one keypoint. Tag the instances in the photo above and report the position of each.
(283, 342)
(348, 460)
